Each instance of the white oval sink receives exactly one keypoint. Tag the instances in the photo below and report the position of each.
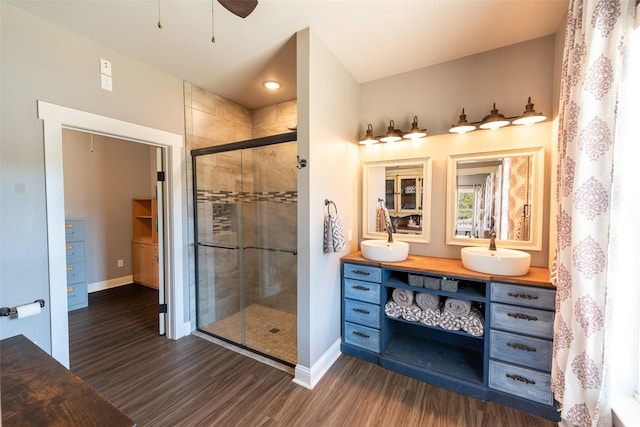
(380, 250)
(503, 262)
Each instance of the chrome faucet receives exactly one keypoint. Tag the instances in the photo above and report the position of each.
(389, 230)
(492, 242)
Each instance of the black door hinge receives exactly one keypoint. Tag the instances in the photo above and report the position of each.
(161, 176)
(163, 308)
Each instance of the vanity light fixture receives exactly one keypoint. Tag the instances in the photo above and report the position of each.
(494, 120)
(529, 116)
(415, 132)
(392, 134)
(272, 85)
(463, 126)
(368, 137)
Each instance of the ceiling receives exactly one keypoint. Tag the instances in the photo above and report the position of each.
(373, 39)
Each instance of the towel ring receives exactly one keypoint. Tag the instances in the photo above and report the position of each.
(328, 204)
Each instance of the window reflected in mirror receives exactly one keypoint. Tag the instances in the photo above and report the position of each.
(496, 192)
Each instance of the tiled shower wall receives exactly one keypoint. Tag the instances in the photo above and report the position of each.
(211, 120)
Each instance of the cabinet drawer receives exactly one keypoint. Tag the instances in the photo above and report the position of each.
(362, 336)
(522, 320)
(76, 294)
(362, 291)
(523, 350)
(74, 231)
(75, 272)
(521, 382)
(75, 252)
(362, 313)
(363, 272)
(528, 296)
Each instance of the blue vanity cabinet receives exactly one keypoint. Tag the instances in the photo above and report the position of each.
(510, 363)
(361, 311)
(521, 347)
(75, 233)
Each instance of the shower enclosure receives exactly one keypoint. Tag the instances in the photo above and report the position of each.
(245, 199)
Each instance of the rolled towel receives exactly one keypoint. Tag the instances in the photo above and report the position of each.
(411, 313)
(473, 324)
(427, 301)
(430, 316)
(402, 297)
(392, 309)
(449, 321)
(457, 307)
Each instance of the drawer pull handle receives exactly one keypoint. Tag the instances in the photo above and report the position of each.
(360, 334)
(520, 378)
(360, 310)
(69, 268)
(522, 316)
(69, 289)
(360, 272)
(69, 247)
(68, 225)
(361, 288)
(522, 347)
(522, 295)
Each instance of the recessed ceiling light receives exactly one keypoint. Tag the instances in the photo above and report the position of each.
(272, 85)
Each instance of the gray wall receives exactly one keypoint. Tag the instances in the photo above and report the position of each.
(98, 187)
(437, 94)
(41, 61)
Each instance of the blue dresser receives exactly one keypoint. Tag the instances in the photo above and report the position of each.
(75, 233)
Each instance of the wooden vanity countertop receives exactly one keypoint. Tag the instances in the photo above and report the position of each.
(537, 276)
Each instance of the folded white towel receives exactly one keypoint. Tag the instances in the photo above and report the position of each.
(392, 309)
(402, 297)
(427, 300)
(457, 307)
(411, 313)
(430, 316)
(473, 324)
(449, 321)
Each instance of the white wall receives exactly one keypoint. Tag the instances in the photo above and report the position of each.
(41, 61)
(327, 119)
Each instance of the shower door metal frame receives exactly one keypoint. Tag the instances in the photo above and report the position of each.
(241, 145)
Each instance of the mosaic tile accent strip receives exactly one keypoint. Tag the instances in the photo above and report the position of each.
(247, 197)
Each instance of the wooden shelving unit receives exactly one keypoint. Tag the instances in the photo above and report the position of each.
(145, 242)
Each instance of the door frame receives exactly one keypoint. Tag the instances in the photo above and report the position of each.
(55, 118)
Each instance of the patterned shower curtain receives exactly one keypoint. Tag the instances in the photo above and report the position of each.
(592, 72)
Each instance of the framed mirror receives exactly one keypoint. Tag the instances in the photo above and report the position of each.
(497, 191)
(397, 192)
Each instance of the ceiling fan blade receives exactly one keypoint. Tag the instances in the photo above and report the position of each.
(241, 8)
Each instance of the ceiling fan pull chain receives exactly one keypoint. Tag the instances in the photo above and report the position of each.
(213, 37)
(159, 20)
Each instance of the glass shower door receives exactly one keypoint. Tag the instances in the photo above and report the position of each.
(246, 239)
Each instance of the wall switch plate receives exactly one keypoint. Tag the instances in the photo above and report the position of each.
(106, 82)
(105, 67)
(120, 263)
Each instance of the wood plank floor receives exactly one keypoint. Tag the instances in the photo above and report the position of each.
(193, 382)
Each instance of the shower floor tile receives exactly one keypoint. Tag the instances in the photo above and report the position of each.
(268, 331)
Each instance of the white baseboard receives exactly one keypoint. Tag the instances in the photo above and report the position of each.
(108, 284)
(308, 378)
(186, 328)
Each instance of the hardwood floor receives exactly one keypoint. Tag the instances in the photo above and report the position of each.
(193, 382)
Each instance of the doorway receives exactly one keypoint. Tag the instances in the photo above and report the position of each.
(55, 118)
(105, 179)
(246, 244)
